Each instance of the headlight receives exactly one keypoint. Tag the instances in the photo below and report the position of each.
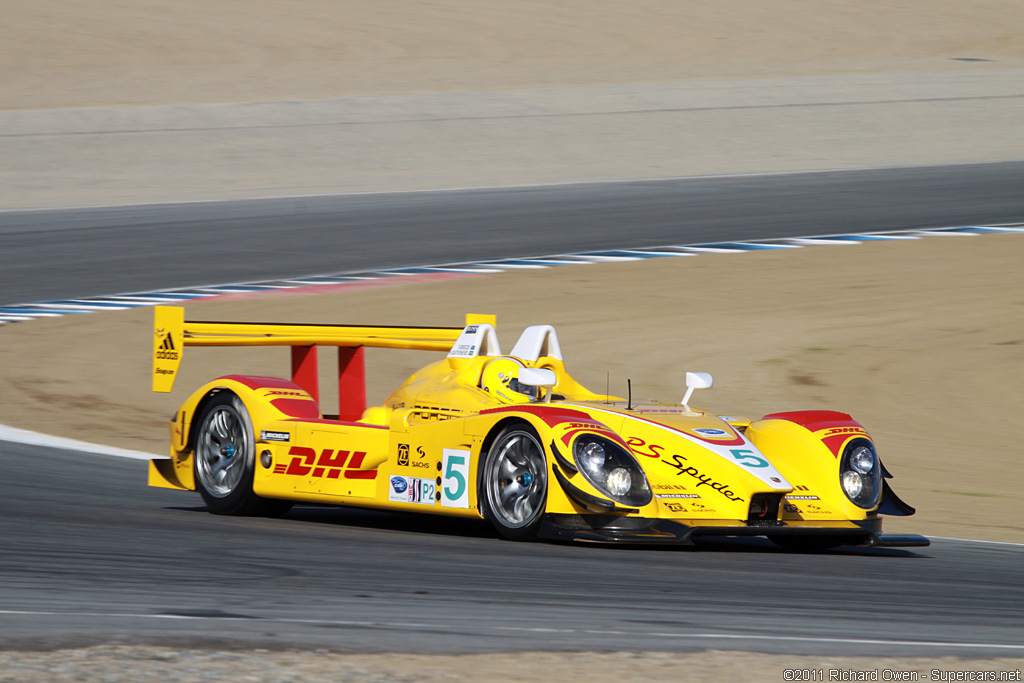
(619, 481)
(860, 475)
(611, 470)
(862, 459)
(591, 457)
(853, 484)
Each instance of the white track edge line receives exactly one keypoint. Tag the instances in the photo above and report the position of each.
(24, 436)
(975, 540)
(521, 629)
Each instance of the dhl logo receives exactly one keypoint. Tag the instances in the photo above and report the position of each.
(330, 463)
(844, 430)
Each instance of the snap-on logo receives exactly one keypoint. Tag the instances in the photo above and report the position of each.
(330, 464)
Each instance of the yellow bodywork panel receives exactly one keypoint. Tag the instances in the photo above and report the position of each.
(810, 466)
(163, 474)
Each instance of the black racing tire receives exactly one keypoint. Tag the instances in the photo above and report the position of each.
(513, 482)
(224, 460)
(809, 544)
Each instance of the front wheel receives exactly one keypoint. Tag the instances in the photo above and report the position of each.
(225, 460)
(515, 483)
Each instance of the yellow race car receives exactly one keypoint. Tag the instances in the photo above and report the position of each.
(513, 439)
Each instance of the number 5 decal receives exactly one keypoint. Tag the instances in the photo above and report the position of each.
(455, 489)
(747, 458)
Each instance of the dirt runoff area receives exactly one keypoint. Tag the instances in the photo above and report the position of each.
(148, 52)
(144, 102)
(261, 666)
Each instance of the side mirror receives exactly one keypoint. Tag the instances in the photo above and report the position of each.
(539, 377)
(696, 380)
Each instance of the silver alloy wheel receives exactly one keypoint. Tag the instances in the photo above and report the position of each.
(516, 479)
(222, 447)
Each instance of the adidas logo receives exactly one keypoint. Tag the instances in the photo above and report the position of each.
(167, 350)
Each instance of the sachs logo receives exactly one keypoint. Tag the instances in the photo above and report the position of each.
(330, 464)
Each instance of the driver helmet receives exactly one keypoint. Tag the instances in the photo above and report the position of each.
(501, 380)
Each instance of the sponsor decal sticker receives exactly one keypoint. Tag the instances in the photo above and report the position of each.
(329, 464)
(792, 497)
(844, 430)
(406, 460)
(267, 435)
(279, 392)
(463, 350)
(412, 490)
(713, 433)
(167, 349)
(676, 495)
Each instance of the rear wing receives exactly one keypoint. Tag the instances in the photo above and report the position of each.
(172, 333)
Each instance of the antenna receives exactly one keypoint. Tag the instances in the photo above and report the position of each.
(629, 395)
(607, 387)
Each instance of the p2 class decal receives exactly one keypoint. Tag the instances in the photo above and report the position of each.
(413, 490)
(738, 451)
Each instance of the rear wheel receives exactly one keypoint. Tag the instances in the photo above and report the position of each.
(515, 483)
(225, 460)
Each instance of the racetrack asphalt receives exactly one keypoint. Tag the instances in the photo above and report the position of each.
(72, 253)
(91, 555)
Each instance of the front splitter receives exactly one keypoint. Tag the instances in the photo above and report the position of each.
(640, 530)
